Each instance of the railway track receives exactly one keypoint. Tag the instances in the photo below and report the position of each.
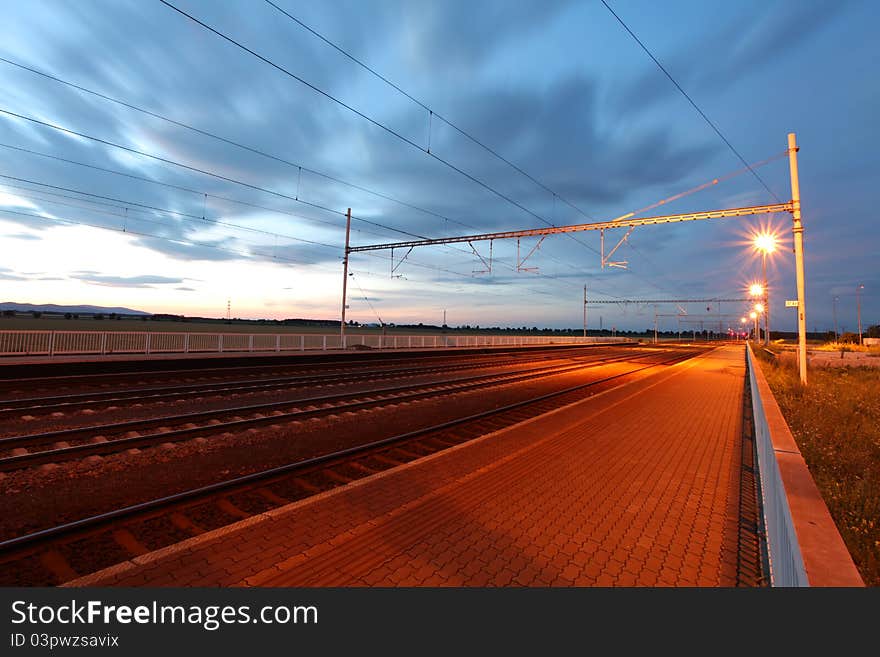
(58, 554)
(69, 402)
(55, 446)
(218, 371)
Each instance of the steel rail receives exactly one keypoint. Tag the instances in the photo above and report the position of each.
(242, 481)
(177, 435)
(76, 400)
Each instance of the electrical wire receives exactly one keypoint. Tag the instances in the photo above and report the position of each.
(432, 113)
(691, 101)
(300, 167)
(203, 171)
(371, 120)
(143, 207)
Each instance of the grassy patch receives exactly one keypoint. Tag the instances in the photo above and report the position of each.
(849, 347)
(836, 423)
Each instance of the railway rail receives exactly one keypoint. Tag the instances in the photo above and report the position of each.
(92, 399)
(64, 552)
(119, 436)
(16, 378)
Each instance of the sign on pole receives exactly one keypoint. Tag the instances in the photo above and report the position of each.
(791, 304)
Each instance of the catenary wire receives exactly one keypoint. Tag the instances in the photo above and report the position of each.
(691, 101)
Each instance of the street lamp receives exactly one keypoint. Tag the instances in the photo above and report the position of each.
(754, 316)
(765, 243)
(743, 320)
(757, 290)
(859, 309)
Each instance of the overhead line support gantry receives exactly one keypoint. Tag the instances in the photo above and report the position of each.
(629, 221)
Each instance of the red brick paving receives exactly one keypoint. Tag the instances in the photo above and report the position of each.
(636, 487)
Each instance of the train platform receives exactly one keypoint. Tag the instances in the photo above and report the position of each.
(641, 485)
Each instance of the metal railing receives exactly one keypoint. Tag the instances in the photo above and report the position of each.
(104, 343)
(786, 562)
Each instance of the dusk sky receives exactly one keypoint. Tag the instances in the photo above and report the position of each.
(558, 89)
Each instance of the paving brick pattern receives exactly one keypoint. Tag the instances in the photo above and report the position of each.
(636, 487)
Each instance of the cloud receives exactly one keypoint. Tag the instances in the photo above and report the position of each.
(127, 281)
(23, 236)
(590, 121)
(751, 44)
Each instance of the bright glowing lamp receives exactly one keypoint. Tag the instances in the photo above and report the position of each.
(765, 242)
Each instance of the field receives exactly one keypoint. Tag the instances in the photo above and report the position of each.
(221, 326)
(836, 423)
(218, 326)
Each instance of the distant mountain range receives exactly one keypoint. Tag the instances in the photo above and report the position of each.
(54, 308)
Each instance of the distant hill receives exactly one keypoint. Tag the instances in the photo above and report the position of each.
(54, 308)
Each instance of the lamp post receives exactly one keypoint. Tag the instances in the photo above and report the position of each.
(757, 290)
(859, 309)
(754, 316)
(765, 243)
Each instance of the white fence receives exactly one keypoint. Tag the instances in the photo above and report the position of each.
(786, 562)
(102, 343)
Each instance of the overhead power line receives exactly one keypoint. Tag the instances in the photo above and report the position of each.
(433, 114)
(64, 220)
(188, 167)
(123, 203)
(197, 170)
(231, 142)
(394, 133)
(160, 183)
(370, 119)
(691, 101)
(226, 140)
(649, 301)
(195, 217)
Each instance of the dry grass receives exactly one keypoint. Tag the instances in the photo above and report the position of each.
(218, 326)
(836, 423)
(847, 347)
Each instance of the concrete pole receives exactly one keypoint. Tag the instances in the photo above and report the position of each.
(766, 299)
(859, 310)
(585, 311)
(836, 332)
(655, 324)
(345, 275)
(797, 230)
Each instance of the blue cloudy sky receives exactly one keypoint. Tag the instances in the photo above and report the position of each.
(559, 89)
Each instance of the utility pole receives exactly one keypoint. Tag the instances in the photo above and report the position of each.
(585, 311)
(836, 332)
(655, 324)
(797, 230)
(444, 318)
(345, 274)
(766, 299)
(859, 309)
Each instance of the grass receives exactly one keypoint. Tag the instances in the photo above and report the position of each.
(836, 423)
(846, 346)
(221, 326)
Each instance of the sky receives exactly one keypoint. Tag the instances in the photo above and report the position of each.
(184, 171)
